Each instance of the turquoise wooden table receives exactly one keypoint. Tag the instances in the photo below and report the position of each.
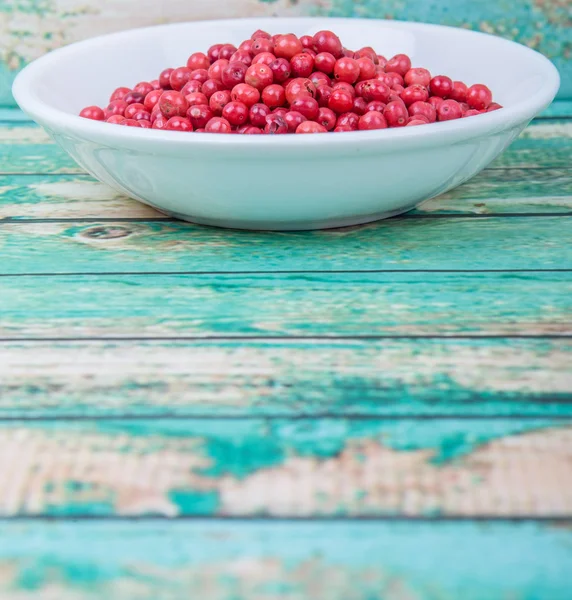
(375, 413)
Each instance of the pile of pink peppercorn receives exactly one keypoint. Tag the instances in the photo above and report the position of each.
(278, 84)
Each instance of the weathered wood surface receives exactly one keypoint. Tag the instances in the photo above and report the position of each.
(317, 378)
(300, 304)
(285, 560)
(25, 148)
(29, 29)
(270, 419)
(288, 468)
(395, 245)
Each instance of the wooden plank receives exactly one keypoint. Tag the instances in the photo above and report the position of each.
(309, 305)
(288, 468)
(25, 148)
(397, 244)
(29, 197)
(362, 378)
(286, 561)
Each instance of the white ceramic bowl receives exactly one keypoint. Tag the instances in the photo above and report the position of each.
(289, 181)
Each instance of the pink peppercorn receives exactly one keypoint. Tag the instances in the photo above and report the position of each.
(218, 125)
(449, 110)
(311, 127)
(92, 112)
(479, 96)
(372, 120)
(293, 118)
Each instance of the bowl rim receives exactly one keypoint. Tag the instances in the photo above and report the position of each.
(138, 139)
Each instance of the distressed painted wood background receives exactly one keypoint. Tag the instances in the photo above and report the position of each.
(381, 412)
(28, 28)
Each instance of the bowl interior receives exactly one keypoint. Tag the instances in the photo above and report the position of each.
(86, 73)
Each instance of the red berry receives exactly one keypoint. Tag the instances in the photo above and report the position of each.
(210, 86)
(218, 101)
(214, 52)
(275, 124)
(366, 68)
(250, 130)
(236, 113)
(159, 123)
(151, 99)
(287, 46)
(179, 77)
(116, 107)
(191, 87)
(417, 77)
(306, 105)
(119, 94)
(198, 60)
(327, 118)
(196, 98)
(130, 123)
(173, 104)
(346, 69)
(274, 96)
(165, 79)
(459, 91)
(258, 113)
(367, 52)
(179, 124)
(340, 101)
(493, 106)
(416, 121)
(414, 93)
(307, 41)
(293, 119)
(246, 94)
(137, 112)
(318, 78)
(373, 89)
(144, 124)
(216, 69)
(266, 58)
(226, 51)
(200, 75)
(311, 127)
(92, 112)
(348, 119)
(327, 41)
(360, 106)
(435, 101)
(342, 128)
(300, 87)
(395, 114)
(143, 88)
(400, 63)
(280, 68)
(115, 119)
(233, 74)
(344, 85)
(376, 105)
(441, 86)
(155, 83)
(325, 62)
(133, 98)
(302, 65)
(323, 94)
(280, 111)
(259, 76)
(479, 96)
(260, 33)
(218, 125)
(449, 110)
(471, 113)
(199, 115)
(372, 120)
(260, 45)
(425, 109)
(241, 56)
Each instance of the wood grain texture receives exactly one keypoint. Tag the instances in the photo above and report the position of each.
(288, 468)
(29, 197)
(25, 148)
(284, 561)
(29, 29)
(358, 378)
(337, 304)
(397, 244)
